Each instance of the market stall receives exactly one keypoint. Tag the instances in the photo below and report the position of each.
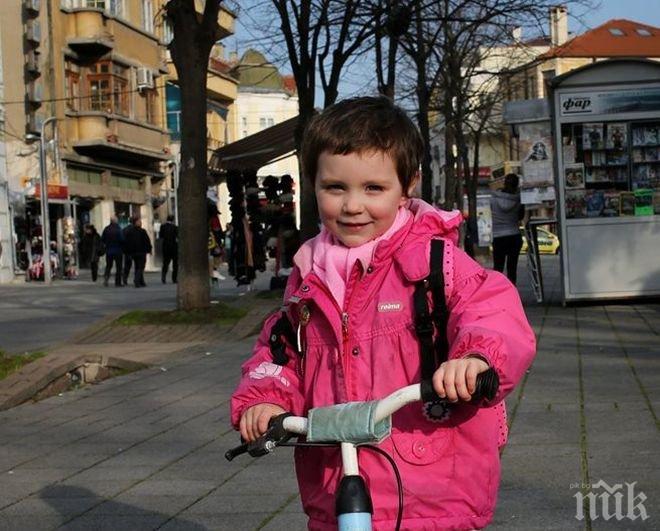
(606, 127)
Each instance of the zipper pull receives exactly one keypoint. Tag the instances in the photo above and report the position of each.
(344, 324)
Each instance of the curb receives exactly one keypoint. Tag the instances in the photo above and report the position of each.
(22, 385)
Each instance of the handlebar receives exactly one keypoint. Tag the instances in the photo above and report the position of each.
(282, 427)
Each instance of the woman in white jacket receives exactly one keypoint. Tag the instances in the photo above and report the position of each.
(507, 213)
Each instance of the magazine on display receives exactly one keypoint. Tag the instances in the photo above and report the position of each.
(596, 175)
(656, 203)
(643, 202)
(574, 176)
(611, 203)
(616, 136)
(576, 206)
(592, 136)
(595, 201)
(650, 135)
(627, 204)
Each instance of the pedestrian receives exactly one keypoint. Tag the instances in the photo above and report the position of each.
(129, 239)
(507, 213)
(113, 240)
(350, 297)
(216, 243)
(93, 249)
(169, 234)
(138, 244)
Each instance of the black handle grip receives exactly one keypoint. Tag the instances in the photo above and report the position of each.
(235, 452)
(488, 383)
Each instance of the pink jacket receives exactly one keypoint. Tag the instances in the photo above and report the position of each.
(368, 349)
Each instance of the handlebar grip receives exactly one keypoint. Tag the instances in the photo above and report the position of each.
(488, 383)
(235, 452)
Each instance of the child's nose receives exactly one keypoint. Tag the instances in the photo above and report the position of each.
(352, 204)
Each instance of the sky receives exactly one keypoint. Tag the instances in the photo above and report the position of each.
(356, 82)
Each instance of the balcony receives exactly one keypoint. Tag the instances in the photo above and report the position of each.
(99, 135)
(89, 32)
(219, 86)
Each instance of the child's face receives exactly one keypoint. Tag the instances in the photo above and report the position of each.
(358, 195)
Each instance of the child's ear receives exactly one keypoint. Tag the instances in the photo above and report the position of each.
(412, 187)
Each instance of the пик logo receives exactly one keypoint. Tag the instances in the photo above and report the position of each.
(576, 105)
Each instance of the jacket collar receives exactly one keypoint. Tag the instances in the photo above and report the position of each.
(411, 240)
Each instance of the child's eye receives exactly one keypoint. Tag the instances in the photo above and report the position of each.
(333, 187)
(374, 188)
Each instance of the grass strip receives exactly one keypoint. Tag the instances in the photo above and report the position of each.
(10, 364)
(220, 314)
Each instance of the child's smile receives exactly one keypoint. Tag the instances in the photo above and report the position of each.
(358, 195)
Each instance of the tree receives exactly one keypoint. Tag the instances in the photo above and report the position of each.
(194, 36)
(320, 37)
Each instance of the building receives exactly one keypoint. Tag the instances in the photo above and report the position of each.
(617, 38)
(100, 68)
(97, 68)
(6, 243)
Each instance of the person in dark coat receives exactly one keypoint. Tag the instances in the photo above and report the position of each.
(139, 245)
(113, 240)
(93, 248)
(128, 251)
(169, 233)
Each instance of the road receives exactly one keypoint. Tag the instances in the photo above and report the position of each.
(34, 316)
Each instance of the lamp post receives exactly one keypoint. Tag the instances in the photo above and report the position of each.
(45, 220)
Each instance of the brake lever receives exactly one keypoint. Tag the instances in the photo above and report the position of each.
(273, 437)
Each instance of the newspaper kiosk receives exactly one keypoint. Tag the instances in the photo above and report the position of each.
(606, 127)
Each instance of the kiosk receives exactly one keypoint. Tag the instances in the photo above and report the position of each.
(606, 128)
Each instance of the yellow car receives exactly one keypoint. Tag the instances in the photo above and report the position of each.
(548, 242)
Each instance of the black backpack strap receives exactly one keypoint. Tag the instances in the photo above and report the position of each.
(281, 334)
(432, 354)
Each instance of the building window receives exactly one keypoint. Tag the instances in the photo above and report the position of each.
(148, 15)
(173, 102)
(72, 88)
(150, 96)
(107, 88)
(245, 129)
(262, 123)
(271, 122)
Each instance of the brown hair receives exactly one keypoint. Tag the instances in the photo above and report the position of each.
(359, 125)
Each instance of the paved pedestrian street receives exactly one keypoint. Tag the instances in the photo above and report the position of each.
(146, 450)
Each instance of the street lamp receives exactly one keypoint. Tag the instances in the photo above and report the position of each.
(45, 220)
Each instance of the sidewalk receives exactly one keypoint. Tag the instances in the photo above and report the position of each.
(146, 450)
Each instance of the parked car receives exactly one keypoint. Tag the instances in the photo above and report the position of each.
(548, 242)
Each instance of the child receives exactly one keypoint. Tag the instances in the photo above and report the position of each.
(350, 297)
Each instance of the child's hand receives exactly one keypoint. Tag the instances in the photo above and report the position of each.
(457, 378)
(254, 421)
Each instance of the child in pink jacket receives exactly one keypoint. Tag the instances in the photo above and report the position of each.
(350, 297)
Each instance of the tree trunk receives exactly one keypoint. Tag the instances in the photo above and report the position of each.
(190, 49)
(193, 280)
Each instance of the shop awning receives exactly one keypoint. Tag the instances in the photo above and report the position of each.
(255, 151)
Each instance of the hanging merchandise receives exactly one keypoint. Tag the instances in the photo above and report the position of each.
(253, 205)
(69, 249)
(240, 266)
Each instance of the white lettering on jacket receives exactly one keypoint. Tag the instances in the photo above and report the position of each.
(269, 370)
(389, 307)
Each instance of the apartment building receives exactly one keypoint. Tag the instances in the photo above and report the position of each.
(6, 255)
(100, 70)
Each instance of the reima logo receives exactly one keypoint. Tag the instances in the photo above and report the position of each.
(576, 105)
(389, 307)
(615, 502)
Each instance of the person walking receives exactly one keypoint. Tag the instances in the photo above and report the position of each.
(113, 240)
(169, 234)
(93, 249)
(139, 245)
(507, 213)
(128, 251)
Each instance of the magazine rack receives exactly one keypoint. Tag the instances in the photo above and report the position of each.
(607, 162)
